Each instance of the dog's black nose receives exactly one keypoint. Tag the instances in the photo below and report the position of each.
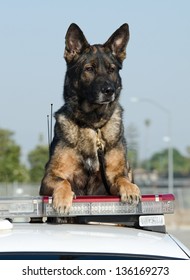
(107, 89)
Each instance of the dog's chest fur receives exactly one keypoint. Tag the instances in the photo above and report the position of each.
(85, 140)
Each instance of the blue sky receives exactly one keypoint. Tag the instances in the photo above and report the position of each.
(32, 68)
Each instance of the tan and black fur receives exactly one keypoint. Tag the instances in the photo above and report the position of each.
(91, 115)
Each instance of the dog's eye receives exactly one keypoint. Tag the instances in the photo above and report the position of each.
(111, 69)
(89, 69)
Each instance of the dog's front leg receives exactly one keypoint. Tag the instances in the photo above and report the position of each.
(128, 191)
(63, 197)
(119, 179)
(58, 177)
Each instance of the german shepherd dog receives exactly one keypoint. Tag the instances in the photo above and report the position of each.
(91, 118)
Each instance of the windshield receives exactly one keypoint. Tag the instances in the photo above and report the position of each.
(78, 256)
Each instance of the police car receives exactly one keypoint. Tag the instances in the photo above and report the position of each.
(97, 227)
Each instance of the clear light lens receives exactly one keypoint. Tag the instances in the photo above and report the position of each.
(156, 207)
(11, 207)
(114, 208)
(21, 208)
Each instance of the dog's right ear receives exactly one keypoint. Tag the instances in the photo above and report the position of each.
(75, 43)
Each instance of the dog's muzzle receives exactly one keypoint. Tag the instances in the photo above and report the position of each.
(106, 94)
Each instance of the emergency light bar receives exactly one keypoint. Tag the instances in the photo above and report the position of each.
(11, 207)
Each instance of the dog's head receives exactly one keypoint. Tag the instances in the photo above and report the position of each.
(93, 70)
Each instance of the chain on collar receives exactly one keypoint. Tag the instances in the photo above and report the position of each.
(99, 142)
(101, 158)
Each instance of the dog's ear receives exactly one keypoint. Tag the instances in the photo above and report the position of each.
(118, 42)
(75, 42)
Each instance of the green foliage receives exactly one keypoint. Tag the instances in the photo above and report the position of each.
(181, 164)
(37, 160)
(159, 162)
(11, 169)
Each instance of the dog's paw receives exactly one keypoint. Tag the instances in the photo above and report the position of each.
(63, 198)
(128, 191)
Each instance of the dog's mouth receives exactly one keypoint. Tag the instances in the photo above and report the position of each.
(89, 105)
(103, 98)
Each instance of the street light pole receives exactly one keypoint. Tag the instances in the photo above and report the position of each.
(169, 140)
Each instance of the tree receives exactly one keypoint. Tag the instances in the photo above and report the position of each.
(37, 159)
(11, 169)
(132, 145)
(188, 151)
(181, 164)
(159, 161)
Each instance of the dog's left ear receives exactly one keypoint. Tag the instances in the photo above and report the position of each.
(118, 42)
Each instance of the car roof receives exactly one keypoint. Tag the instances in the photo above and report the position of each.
(96, 239)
